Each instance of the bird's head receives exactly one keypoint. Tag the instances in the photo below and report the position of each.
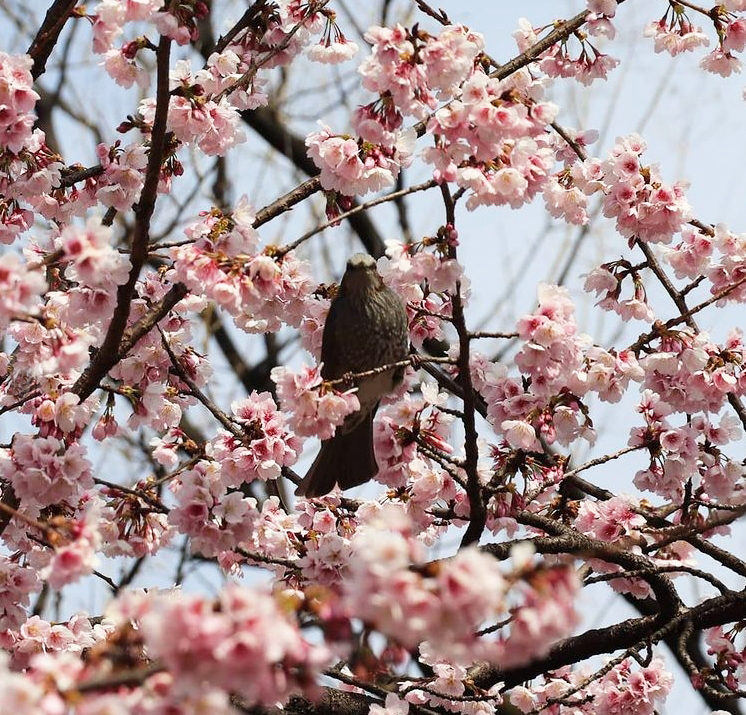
(361, 274)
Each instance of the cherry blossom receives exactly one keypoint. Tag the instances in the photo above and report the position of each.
(316, 409)
(351, 167)
(17, 99)
(21, 288)
(219, 642)
(394, 68)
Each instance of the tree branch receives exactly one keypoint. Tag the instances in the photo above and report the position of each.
(109, 352)
(42, 45)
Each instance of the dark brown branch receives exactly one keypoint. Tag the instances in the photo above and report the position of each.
(332, 702)
(577, 543)
(245, 21)
(72, 176)
(477, 509)
(287, 201)
(10, 503)
(42, 45)
(109, 352)
(620, 636)
(148, 321)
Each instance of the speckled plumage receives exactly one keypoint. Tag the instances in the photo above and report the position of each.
(366, 328)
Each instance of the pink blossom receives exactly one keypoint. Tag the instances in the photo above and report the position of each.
(214, 520)
(24, 695)
(315, 410)
(721, 62)
(17, 99)
(45, 471)
(444, 606)
(601, 280)
(351, 167)
(266, 448)
(63, 416)
(643, 206)
(568, 203)
(212, 126)
(244, 630)
(603, 7)
(124, 71)
(735, 36)
(525, 35)
(611, 520)
(633, 692)
(120, 184)
(18, 583)
(589, 65)
(520, 435)
(393, 706)
(94, 260)
(395, 68)
(492, 144)
(676, 38)
(129, 527)
(75, 552)
(182, 30)
(312, 324)
(21, 288)
(692, 257)
(546, 613)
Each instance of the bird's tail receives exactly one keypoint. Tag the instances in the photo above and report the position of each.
(345, 459)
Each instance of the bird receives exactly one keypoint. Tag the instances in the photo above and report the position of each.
(366, 328)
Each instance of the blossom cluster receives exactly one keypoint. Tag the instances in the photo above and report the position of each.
(203, 650)
(416, 69)
(558, 61)
(687, 455)
(730, 656)
(262, 291)
(316, 408)
(21, 288)
(209, 506)
(18, 583)
(45, 471)
(425, 281)
(53, 338)
(218, 643)
(27, 168)
(37, 635)
(445, 602)
(130, 524)
(561, 367)
(623, 689)
(401, 429)
(643, 206)
(675, 33)
(715, 255)
(212, 126)
(17, 99)
(492, 140)
(719, 255)
(351, 167)
(205, 104)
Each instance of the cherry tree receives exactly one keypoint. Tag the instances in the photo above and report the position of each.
(173, 217)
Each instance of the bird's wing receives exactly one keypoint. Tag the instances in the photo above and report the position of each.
(330, 349)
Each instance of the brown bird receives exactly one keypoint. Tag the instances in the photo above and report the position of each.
(366, 328)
